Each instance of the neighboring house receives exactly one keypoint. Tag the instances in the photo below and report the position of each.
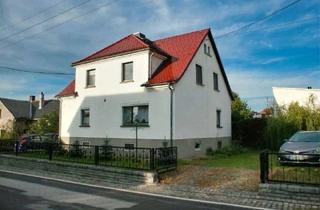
(18, 113)
(172, 89)
(285, 96)
(266, 112)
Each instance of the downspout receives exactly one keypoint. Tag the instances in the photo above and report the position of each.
(150, 64)
(171, 88)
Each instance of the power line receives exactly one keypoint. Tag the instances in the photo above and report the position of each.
(283, 25)
(37, 14)
(57, 25)
(258, 20)
(45, 20)
(7, 68)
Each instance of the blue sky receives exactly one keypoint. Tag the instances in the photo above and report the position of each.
(283, 50)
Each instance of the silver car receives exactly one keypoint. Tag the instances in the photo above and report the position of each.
(302, 147)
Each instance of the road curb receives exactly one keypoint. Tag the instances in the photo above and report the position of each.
(134, 192)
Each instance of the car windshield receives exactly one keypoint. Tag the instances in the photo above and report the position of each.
(306, 137)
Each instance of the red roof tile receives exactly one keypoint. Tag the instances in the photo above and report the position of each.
(182, 48)
(126, 44)
(179, 51)
(67, 91)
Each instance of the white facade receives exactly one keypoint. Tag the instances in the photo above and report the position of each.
(285, 96)
(194, 106)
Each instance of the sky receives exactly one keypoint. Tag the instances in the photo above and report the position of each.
(44, 35)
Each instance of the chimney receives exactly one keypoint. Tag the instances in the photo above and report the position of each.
(139, 35)
(41, 100)
(31, 99)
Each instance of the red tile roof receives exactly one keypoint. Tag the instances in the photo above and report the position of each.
(179, 50)
(69, 90)
(126, 44)
(182, 48)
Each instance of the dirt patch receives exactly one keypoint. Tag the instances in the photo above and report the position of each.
(218, 179)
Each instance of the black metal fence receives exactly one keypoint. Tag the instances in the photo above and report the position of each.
(290, 168)
(153, 159)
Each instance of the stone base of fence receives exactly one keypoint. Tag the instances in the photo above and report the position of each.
(112, 174)
(293, 189)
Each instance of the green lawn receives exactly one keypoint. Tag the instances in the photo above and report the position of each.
(246, 160)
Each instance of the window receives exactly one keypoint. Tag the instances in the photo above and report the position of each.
(197, 146)
(215, 82)
(0, 113)
(199, 75)
(219, 119)
(86, 144)
(85, 118)
(208, 51)
(127, 72)
(129, 146)
(132, 115)
(91, 78)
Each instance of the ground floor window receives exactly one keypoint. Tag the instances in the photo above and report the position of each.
(129, 146)
(132, 115)
(85, 118)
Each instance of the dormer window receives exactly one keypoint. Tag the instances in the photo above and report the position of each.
(91, 78)
(127, 72)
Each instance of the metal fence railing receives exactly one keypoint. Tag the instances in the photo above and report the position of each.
(154, 159)
(290, 168)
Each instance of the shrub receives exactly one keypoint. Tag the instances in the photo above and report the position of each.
(249, 132)
(276, 130)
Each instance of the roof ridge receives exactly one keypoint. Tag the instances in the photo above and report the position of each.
(183, 34)
(103, 48)
(12, 99)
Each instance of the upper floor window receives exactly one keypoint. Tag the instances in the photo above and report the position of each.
(219, 118)
(85, 117)
(127, 71)
(207, 49)
(91, 78)
(0, 113)
(215, 81)
(199, 75)
(132, 115)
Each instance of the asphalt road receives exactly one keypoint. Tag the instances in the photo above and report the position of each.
(18, 192)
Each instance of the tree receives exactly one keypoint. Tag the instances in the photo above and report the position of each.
(47, 124)
(303, 117)
(240, 109)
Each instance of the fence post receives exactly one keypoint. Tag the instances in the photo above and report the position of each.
(152, 159)
(264, 166)
(96, 155)
(50, 150)
(17, 148)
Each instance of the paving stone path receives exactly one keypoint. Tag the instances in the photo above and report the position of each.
(270, 201)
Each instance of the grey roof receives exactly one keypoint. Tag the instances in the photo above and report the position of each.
(48, 107)
(20, 108)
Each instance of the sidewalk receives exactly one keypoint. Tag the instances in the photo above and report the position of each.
(240, 198)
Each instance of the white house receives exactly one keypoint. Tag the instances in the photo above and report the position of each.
(285, 96)
(174, 89)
